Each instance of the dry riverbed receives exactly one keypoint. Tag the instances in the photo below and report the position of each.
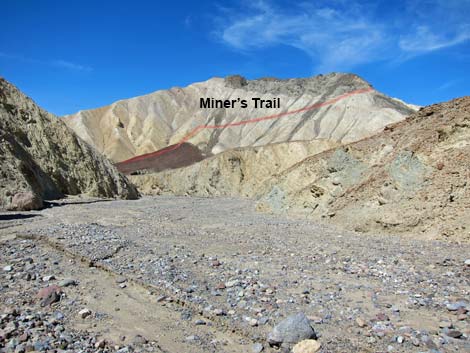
(176, 274)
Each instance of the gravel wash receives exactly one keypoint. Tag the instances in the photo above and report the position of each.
(180, 274)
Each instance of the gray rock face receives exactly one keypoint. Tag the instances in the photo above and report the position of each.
(291, 330)
(41, 158)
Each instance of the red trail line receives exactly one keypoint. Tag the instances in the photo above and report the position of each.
(244, 122)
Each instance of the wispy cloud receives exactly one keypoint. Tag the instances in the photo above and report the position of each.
(70, 65)
(59, 63)
(339, 35)
(426, 40)
(446, 85)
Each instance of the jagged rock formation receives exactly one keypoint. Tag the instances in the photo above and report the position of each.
(412, 177)
(141, 125)
(41, 158)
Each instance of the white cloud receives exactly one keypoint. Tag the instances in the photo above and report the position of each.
(64, 64)
(70, 65)
(341, 35)
(426, 40)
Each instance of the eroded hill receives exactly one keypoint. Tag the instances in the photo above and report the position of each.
(149, 123)
(412, 177)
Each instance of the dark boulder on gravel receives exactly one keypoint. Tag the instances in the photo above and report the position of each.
(291, 330)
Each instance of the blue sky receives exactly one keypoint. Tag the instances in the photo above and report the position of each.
(72, 55)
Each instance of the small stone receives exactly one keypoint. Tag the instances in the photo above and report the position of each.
(382, 317)
(67, 282)
(49, 295)
(219, 312)
(429, 342)
(23, 337)
(232, 283)
(192, 338)
(253, 322)
(199, 322)
(48, 278)
(51, 299)
(360, 322)
(415, 341)
(122, 285)
(400, 339)
(220, 286)
(445, 324)
(161, 298)
(455, 306)
(139, 340)
(454, 333)
(467, 262)
(306, 346)
(257, 348)
(84, 313)
(8, 268)
(121, 280)
(100, 344)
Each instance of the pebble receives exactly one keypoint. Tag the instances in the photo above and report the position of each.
(445, 324)
(84, 313)
(139, 340)
(219, 312)
(306, 346)
(257, 348)
(67, 282)
(233, 283)
(8, 268)
(192, 338)
(100, 344)
(121, 280)
(455, 306)
(360, 322)
(454, 333)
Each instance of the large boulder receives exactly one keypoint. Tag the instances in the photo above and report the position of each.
(291, 330)
(26, 201)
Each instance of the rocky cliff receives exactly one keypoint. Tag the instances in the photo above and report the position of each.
(41, 158)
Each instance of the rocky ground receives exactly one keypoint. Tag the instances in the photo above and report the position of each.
(176, 274)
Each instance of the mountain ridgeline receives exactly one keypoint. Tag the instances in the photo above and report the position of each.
(143, 125)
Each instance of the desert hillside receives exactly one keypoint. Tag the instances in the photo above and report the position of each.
(412, 177)
(145, 124)
(41, 158)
